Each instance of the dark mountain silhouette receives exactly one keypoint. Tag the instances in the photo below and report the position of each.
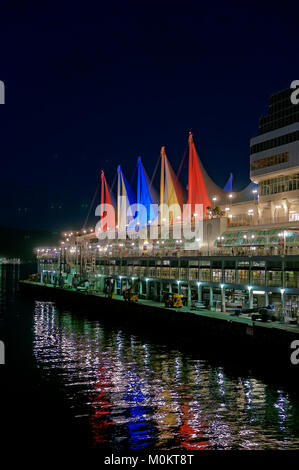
(17, 243)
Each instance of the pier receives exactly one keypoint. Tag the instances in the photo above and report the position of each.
(269, 343)
(10, 261)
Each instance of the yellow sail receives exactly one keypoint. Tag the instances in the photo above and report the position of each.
(170, 188)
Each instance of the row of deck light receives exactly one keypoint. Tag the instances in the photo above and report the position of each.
(46, 250)
(282, 289)
(254, 191)
(285, 233)
(262, 292)
(77, 233)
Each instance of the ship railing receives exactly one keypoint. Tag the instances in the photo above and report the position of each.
(288, 315)
(223, 251)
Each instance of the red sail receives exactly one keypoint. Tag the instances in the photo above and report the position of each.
(197, 191)
(107, 219)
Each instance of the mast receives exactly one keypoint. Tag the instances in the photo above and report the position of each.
(162, 181)
(102, 192)
(138, 187)
(118, 202)
(190, 169)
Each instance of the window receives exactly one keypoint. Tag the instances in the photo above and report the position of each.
(279, 185)
(269, 161)
(165, 272)
(216, 275)
(243, 263)
(276, 142)
(204, 262)
(258, 277)
(243, 276)
(151, 272)
(205, 274)
(174, 273)
(193, 273)
(229, 275)
(293, 216)
(183, 273)
(274, 278)
(291, 278)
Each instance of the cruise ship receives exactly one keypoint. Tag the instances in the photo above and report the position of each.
(247, 254)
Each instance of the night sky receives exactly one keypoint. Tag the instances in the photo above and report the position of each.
(89, 87)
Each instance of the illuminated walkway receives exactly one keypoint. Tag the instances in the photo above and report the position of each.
(245, 319)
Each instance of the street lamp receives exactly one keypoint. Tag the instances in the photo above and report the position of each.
(282, 291)
(250, 297)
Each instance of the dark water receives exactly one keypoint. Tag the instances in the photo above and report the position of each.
(71, 378)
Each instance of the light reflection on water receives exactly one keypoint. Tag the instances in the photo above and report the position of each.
(129, 393)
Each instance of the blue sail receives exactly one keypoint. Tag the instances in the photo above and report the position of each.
(145, 196)
(125, 199)
(129, 192)
(229, 184)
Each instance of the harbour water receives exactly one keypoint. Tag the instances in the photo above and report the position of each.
(71, 378)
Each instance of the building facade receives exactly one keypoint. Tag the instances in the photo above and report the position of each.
(249, 252)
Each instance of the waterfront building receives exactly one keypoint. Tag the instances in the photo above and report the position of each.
(248, 254)
(10, 261)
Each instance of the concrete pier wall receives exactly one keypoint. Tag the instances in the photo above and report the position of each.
(252, 341)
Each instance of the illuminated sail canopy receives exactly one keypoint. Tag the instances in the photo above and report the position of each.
(125, 199)
(229, 184)
(197, 190)
(171, 191)
(107, 216)
(201, 190)
(145, 196)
